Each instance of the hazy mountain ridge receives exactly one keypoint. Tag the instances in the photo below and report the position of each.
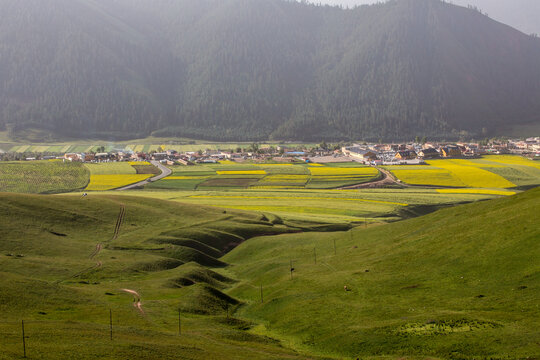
(251, 69)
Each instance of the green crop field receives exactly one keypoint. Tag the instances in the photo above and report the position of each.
(42, 177)
(372, 205)
(230, 175)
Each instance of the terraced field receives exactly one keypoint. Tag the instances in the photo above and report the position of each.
(38, 177)
(230, 175)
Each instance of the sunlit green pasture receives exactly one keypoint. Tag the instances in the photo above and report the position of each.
(373, 205)
(430, 287)
(52, 277)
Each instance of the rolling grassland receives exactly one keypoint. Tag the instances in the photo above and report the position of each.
(68, 262)
(461, 283)
(458, 283)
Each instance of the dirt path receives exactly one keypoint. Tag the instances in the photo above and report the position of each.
(99, 247)
(165, 171)
(387, 179)
(136, 299)
(119, 221)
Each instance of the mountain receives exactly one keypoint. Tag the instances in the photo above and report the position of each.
(521, 14)
(260, 69)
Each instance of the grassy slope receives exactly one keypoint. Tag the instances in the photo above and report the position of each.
(42, 177)
(48, 278)
(470, 267)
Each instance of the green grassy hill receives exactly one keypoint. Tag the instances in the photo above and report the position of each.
(462, 283)
(64, 261)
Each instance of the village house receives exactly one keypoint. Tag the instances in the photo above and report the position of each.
(73, 157)
(100, 157)
(359, 153)
(429, 153)
(140, 156)
(159, 156)
(406, 155)
(89, 157)
(450, 151)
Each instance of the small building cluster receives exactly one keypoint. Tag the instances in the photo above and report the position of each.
(373, 154)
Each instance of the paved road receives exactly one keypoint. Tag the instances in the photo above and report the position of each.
(387, 179)
(165, 171)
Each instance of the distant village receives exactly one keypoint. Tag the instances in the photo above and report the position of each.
(413, 153)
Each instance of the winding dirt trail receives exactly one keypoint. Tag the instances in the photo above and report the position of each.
(99, 247)
(136, 299)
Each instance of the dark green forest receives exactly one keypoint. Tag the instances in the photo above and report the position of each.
(262, 69)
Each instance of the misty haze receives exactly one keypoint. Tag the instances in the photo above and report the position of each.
(269, 179)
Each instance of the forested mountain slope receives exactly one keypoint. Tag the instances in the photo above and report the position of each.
(254, 69)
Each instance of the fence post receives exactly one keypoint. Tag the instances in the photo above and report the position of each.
(23, 340)
(110, 322)
(179, 323)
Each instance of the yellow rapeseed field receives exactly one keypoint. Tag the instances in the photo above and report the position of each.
(475, 191)
(139, 163)
(513, 160)
(472, 176)
(109, 182)
(428, 176)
